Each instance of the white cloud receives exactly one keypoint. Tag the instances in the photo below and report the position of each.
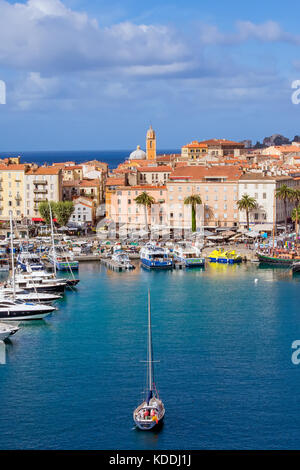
(45, 36)
(269, 31)
(63, 59)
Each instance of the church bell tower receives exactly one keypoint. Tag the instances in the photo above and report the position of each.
(151, 144)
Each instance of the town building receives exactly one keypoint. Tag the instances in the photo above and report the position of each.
(194, 151)
(127, 214)
(40, 185)
(84, 211)
(12, 191)
(263, 188)
(218, 189)
(88, 188)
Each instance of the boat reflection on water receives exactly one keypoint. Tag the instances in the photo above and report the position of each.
(2, 352)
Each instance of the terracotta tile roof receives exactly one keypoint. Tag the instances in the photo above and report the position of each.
(255, 176)
(211, 142)
(155, 169)
(112, 181)
(195, 144)
(202, 172)
(165, 158)
(73, 167)
(89, 183)
(44, 170)
(13, 167)
(288, 148)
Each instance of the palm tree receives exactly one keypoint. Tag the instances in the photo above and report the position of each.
(193, 200)
(296, 211)
(247, 203)
(144, 199)
(295, 218)
(285, 194)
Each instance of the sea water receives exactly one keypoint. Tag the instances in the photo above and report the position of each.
(225, 373)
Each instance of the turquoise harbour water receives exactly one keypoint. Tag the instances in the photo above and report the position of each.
(225, 372)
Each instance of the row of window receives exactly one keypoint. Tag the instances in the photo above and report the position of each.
(188, 188)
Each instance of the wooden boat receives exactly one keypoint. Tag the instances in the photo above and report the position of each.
(150, 413)
(280, 260)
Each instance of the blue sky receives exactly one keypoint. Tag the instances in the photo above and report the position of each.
(84, 74)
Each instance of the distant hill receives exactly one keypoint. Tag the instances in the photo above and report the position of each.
(276, 139)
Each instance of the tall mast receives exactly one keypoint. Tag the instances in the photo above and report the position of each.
(52, 238)
(274, 218)
(150, 352)
(12, 255)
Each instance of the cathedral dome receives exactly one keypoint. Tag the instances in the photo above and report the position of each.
(138, 154)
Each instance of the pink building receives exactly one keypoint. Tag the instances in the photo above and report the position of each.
(218, 189)
(126, 213)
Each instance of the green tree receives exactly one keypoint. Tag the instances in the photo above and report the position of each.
(145, 200)
(44, 210)
(247, 203)
(296, 218)
(193, 200)
(285, 194)
(63, 211)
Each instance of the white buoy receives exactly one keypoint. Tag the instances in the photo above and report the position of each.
(255, 280)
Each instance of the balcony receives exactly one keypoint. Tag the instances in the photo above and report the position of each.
(40, 181)
(18, 197)
(36, 191)
(40, 199)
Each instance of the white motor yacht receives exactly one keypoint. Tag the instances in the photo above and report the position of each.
(15, 310)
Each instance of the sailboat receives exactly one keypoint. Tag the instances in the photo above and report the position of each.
(151, 412)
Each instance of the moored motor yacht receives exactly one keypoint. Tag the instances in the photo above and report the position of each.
(25, 296)
(189, 255)
(155, 257)
(27, 260)
(34, 283)
(15, 310)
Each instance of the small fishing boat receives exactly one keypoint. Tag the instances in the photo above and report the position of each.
(150, 413)
(189, 255)
(155, 257)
